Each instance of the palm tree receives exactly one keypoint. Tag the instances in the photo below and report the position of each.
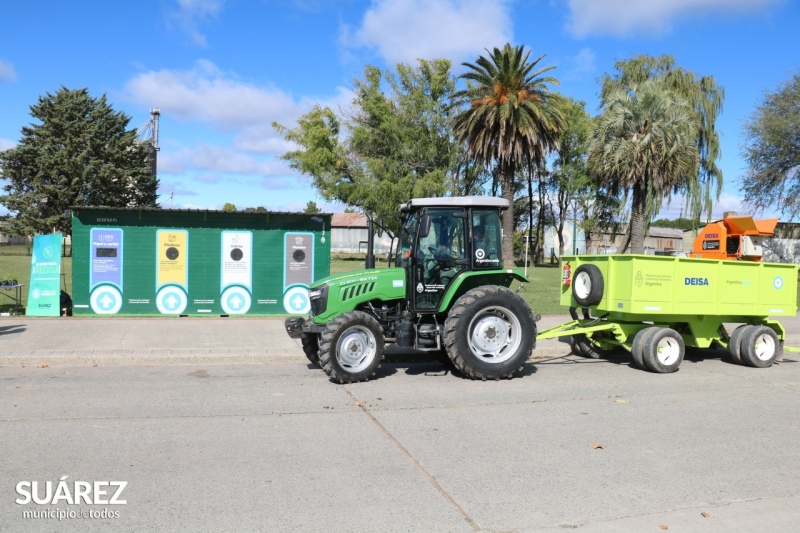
(645, 141)
(512, 119)
(704, 95)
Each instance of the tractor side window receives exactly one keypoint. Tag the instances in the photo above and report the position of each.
(407, 235)
(486, 249)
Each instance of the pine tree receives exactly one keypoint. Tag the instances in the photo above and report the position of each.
(81, 153)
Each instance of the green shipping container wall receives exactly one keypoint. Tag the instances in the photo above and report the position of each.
(189, 262)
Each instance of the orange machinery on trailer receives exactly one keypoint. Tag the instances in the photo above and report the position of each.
(737, 238)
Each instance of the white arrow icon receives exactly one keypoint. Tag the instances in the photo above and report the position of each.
(236, 302)
(298, 302)
(106, 301)
(171, 302)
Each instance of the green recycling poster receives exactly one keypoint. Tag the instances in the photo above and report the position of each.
(44, 290)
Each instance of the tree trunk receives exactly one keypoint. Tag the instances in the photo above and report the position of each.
(507, 178)
(638, 208)
(531, 250)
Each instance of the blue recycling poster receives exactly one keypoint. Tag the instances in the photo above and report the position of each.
(44, 293)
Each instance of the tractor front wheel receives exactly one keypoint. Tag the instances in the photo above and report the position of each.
(351, 347)
(311, 348)
(489, 333)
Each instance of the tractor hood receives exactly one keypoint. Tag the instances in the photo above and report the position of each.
(340, 293)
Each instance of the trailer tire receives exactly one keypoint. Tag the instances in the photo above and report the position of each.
(351, 347)
(489, 333)
(639, 342)
(311, 348)
(664, 350)
(735, 343)
(588, 285)
(581, 345)
(760, 347)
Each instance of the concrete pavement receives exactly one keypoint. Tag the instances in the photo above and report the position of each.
(189, 340)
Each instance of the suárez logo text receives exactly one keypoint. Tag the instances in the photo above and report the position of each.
(695, 281)
(90, 493)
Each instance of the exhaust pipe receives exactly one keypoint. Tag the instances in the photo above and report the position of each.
(369, 261)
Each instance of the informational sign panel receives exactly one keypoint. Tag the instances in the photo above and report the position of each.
(298, 272)
(181, 262)
(237, 273)
(44, 293)
(105, 274)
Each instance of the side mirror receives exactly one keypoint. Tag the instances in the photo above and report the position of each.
(424, 226)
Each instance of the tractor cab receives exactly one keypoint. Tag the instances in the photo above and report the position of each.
(442, 237)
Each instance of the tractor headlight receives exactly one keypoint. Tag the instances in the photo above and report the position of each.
(319, 299)
(316, 293)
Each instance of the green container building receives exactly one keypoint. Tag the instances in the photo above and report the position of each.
(148, 261)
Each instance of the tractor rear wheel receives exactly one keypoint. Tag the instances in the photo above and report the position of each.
(351, 347)
(489, 333)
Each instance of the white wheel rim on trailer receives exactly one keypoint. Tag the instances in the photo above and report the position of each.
(583, 285)
(764, 347)
(668, 351)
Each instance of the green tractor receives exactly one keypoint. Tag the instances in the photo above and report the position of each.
(447, 293)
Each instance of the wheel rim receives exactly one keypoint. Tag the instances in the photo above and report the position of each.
(668, 351)
(494, 334)
(764, 347)
(356, 349)
(583, 285)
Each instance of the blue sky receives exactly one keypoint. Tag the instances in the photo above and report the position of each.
(221, 71)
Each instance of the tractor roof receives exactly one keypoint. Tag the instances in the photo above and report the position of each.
(456, 201)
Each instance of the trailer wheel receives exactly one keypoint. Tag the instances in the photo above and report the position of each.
(735, 343)
(639, 342)
(581, 345)
(760, 347)
(489, 333)
(663, 351)
(351, 347)
(588, 285)
(311, 348)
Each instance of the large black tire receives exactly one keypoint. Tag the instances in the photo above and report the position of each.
(639, 343)
(351, 347)
(735, 343)
(489, 333)
(311, 348)
(760, 347)
(581, 345)
(588, 285)
(664, 350)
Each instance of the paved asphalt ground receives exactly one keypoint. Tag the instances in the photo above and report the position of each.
(219, 424)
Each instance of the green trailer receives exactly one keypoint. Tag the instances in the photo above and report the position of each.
(655, 306)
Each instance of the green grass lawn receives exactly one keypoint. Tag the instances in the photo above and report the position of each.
(542, 293)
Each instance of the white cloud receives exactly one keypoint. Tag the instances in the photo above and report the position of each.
(407, 30)
(5, 144)
(206, 94)
(7, 72)
(581, 65)
(216, 159)
(190, 13)
(627, 17)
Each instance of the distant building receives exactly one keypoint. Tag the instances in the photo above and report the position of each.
(349, 235)
(657, 241)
